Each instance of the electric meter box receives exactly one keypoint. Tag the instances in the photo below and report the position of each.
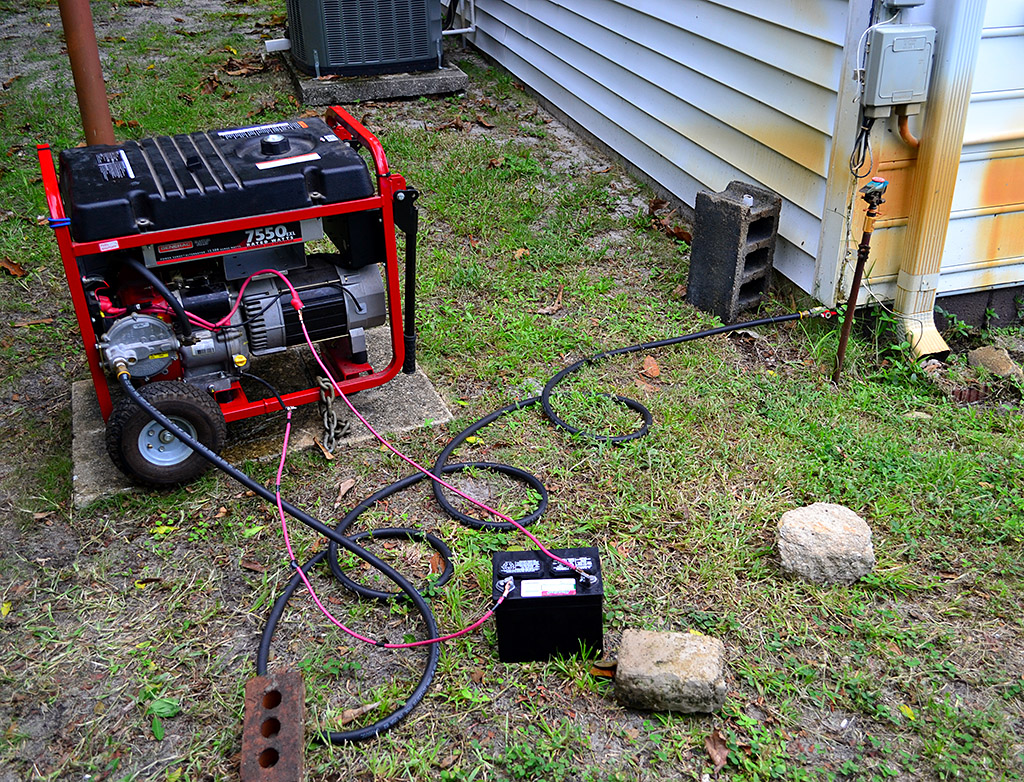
(551, 609)
(898, 67)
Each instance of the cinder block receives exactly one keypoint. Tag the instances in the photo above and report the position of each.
(733, 249)
(273, 734)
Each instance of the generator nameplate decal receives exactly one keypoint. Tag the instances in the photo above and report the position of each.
(223, 243)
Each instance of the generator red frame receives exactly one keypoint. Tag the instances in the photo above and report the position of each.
(234, 404)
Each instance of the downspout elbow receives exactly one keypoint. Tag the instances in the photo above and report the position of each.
(908, 138)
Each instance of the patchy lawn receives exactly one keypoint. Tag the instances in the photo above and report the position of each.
(128, 629)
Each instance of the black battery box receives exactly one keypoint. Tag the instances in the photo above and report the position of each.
(551, 609)
(190, 179)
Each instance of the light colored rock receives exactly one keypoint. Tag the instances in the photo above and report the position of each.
(670, 672)
(825, 543)
(995, 360)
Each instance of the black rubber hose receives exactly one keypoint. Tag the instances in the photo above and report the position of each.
(418, 600)
(545, 397)
(392, 533)
(163, 290)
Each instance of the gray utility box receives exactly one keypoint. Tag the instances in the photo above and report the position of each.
(733, 249)
(898, 67)
(364, 37)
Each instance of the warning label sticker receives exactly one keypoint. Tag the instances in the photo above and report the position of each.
(518, 567)
(114, 165)
(255, 130)
(287, 161)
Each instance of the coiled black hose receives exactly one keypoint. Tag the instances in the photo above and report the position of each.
(336, 536)
(410, 591)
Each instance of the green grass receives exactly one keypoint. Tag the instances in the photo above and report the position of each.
(530, 259)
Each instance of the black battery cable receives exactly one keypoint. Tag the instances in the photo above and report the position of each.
(336, 537)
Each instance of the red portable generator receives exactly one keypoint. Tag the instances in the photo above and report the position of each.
(176, 251)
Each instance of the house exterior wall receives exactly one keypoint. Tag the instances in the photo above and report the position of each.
(697, 93)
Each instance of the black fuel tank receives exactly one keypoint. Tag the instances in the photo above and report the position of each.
(175, 181)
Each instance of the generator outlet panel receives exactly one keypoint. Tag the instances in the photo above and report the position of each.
(898, 67)
(551, 609)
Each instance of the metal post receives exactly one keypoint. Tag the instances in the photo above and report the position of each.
(76, 18)
(872, 193)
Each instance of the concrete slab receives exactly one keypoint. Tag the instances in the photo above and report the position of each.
(406, 403)
(329, 90)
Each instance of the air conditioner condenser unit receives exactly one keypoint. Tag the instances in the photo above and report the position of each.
(363, 37)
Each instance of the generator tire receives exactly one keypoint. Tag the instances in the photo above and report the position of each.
(152, 456)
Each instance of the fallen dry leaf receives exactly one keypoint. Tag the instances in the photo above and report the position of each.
(477, 676)
(327, 454)
(717, 749)
(520, 253)
(482, 122)
(350, 714)
(645, 386)
(40, 322)
(255, 567)
(655, 205)
(221, 512)
(40, 515)
(651, 368)
(12, 268)
(606, 673)
(436, 564)
(496, 162)
(343, 489)
(209, 84)
(10, 81)
(551, 309)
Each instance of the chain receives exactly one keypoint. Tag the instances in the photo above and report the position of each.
(333, 429)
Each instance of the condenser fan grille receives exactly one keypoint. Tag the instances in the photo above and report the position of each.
(372, 35)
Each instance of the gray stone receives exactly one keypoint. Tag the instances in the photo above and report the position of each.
(995, 360)
(825, 543)
(670, 672)
(387, 86)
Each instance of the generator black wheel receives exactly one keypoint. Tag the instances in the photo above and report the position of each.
(150, 454)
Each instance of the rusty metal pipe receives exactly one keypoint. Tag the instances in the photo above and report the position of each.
(91, 90)
(872, 194)
(908, 138)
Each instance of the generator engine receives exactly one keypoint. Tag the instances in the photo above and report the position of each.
(187, 255)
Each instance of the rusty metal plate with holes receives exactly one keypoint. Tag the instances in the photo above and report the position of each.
(273, 731)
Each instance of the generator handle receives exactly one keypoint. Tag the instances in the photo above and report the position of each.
(50, 187)
(337, 117)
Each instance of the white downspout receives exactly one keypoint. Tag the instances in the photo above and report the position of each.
(959, 26)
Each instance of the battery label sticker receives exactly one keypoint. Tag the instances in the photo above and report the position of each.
(287, 161)
(114, 165)
(547, 587)
(519, 567)
(109, 245)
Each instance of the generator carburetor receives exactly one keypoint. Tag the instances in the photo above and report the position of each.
(550, 610)
(182, 254)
